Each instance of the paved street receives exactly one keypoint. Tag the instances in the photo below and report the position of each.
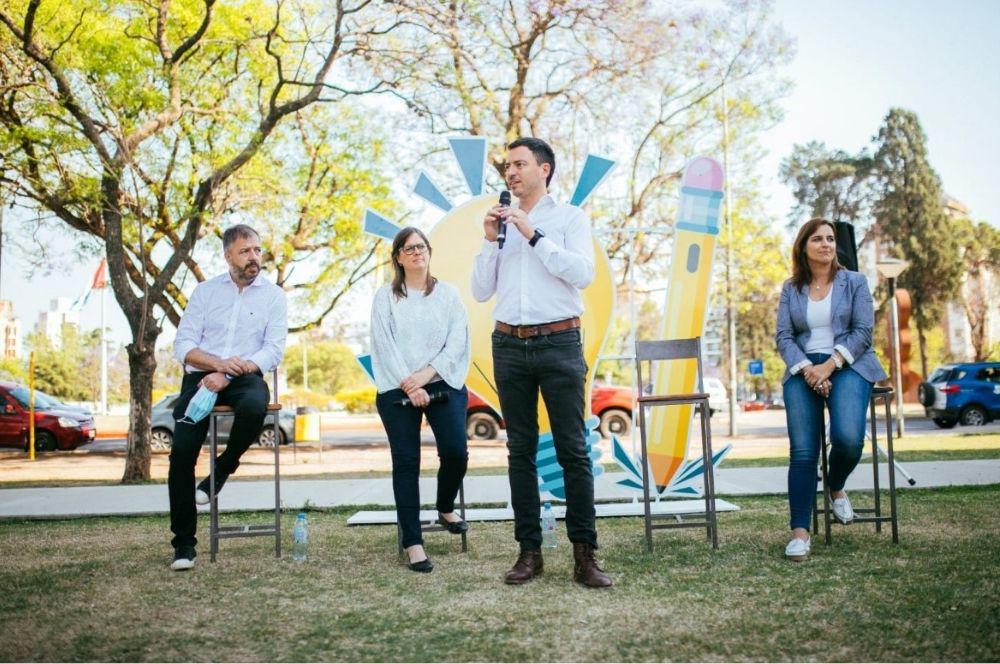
(366, 430)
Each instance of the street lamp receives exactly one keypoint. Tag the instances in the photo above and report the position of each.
(891, 268)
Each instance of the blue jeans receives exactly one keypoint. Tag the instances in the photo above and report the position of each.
(848, 406)
(402, 426)
(554, 366)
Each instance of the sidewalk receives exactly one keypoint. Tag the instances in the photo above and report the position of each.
(48, 502)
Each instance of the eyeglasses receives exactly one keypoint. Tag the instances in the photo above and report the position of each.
(414, 249)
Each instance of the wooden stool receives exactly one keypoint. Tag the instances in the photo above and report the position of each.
(886, 395)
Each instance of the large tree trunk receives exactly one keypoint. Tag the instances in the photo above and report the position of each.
(141, 367)
(923, 349)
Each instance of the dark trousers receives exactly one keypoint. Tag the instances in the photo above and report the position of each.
(248, 396)
(402, 426)
(554, 365)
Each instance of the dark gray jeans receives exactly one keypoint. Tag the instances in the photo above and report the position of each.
(554, 365)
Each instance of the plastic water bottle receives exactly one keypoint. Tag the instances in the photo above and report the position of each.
(300, 535)
(548, 527)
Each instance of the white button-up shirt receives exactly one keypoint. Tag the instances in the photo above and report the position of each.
(539, 284)
(221, 320)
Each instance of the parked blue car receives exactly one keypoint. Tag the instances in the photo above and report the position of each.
(967, 393)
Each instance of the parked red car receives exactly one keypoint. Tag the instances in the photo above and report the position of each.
(611, 403)
(57, 427)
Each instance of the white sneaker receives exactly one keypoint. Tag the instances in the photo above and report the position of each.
(183, 559)
(200, 497)
(842, 510)
(797, 549)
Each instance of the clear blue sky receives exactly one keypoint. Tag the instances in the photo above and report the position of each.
(856, 59)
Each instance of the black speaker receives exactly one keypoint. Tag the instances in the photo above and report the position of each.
(847, 248)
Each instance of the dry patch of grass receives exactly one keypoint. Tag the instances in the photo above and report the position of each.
(100, 589)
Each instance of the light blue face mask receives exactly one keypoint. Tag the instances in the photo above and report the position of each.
(200, 406)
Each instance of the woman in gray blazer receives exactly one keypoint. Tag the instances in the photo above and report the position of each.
(824, 336)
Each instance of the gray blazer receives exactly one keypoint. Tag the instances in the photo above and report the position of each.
(853, 316)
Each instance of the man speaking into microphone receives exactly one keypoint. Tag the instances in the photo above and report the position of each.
(537, 275)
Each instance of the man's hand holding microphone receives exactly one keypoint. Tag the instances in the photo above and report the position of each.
(500, 215)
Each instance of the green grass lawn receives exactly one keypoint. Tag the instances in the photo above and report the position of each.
(100, 589)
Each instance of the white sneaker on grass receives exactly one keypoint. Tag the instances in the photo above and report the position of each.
(183, 558)
(842, 510)
(797, 549)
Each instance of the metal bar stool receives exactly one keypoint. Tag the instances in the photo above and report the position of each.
(217, 532)
(876, 516)
(677, 349)
(434, 527)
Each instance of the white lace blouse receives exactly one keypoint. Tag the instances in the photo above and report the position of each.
(415, 331)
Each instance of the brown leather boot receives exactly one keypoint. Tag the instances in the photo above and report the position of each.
(586, 570)
(528, 566)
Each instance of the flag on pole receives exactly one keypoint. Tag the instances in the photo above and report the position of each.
(99, 281)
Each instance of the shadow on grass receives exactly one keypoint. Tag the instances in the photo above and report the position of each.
(100, 589)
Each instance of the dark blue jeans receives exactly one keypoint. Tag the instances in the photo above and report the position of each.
(848, 406)
(554, 365)
(402, 426)
(248, 396)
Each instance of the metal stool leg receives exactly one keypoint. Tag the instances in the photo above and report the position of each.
(709, 476)
(826, 483)
(878, 497)
(277, 488)
(892, 471)
(461, 508)
(213, 503)
(645, 479)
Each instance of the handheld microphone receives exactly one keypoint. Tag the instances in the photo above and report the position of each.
(437, 397)
(502, 232)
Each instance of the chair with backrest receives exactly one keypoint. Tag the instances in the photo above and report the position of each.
(217, 532)
(676, 350)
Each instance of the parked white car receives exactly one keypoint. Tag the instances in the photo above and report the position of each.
(718, 400)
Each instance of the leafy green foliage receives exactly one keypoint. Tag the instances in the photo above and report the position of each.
(332, 366)
(911, 220)
(832, 184)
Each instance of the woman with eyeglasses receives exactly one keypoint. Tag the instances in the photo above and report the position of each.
(824, 335)
(420, 357)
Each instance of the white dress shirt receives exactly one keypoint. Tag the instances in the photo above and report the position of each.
(539, 284)
(221, 320)
(418, 330)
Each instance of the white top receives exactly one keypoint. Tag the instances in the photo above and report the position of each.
(415, 331)
(539, 284)
(221, 320)
(819, 319)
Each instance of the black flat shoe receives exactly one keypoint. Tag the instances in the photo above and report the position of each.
(424, 565)
(454, 527)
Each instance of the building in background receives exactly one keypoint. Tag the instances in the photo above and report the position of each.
(50, 323)
(10, 331)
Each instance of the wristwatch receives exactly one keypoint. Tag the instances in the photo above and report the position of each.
(837, 360)
(535, 238)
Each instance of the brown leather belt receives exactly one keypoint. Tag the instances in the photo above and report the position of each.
(528, 331)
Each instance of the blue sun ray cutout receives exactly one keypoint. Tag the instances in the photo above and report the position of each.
(427, 190)
(595, 170)
(470, 153)
(366, 365)
(379, 226)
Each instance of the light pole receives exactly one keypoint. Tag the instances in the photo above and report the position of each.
(891, 268)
